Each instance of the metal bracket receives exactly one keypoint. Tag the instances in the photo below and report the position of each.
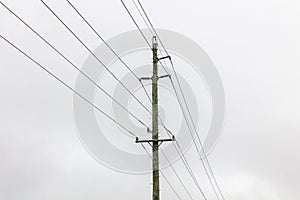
(159, 140)
(164, 76)
(145, 78)
(150, 78)
(164, 57)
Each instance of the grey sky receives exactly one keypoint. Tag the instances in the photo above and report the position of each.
(254, 45)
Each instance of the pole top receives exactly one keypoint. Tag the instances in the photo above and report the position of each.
(154, 42)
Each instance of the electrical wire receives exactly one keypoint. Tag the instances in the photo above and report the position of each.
(85, 99)
(114, 52)
(193, 138)
(143, 35)
(188, 167)
(176, 174)
(177, 79)
(88, 76)
(96, 57)
(168, 131)
(66, 85)
(136, 6)
(110, 48)
(71, 63)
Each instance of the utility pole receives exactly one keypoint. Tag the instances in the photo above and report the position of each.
(155, 145)
(155, 142)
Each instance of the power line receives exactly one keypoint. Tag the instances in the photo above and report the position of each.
(96, 57)
(143, 35)
(201, 145)
(138, 27)
(136, 6)
(114, 52)
(182, 96)
(168, 131)
(150, 29)
(85, 99)
(111, 74)
(198, 137)
(152, 26)
(176, 174)
(110, 48)
(155, 33)
(102, 40)
(186, 164)
(190, 131)
(66, 85)
(188, 167)
(71, 63)
(210, 168)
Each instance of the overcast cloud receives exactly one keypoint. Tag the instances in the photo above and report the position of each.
(255, 46)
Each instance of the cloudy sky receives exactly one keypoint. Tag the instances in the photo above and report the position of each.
(255, 47)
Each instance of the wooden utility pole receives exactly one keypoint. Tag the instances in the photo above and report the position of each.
(155, 142)
(155, 145)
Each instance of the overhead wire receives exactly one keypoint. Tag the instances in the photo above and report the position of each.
(114, 52)
(71, 63)
(141, 15)
(176, 174)
(66, 85)
(103, 65)
(195, 129)
(85, 99)
(96, 57)
(118, 58)
(194, 141)
(188, 167)
(108, 46)
(82, 97)
(167, 130)
(132, 18)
